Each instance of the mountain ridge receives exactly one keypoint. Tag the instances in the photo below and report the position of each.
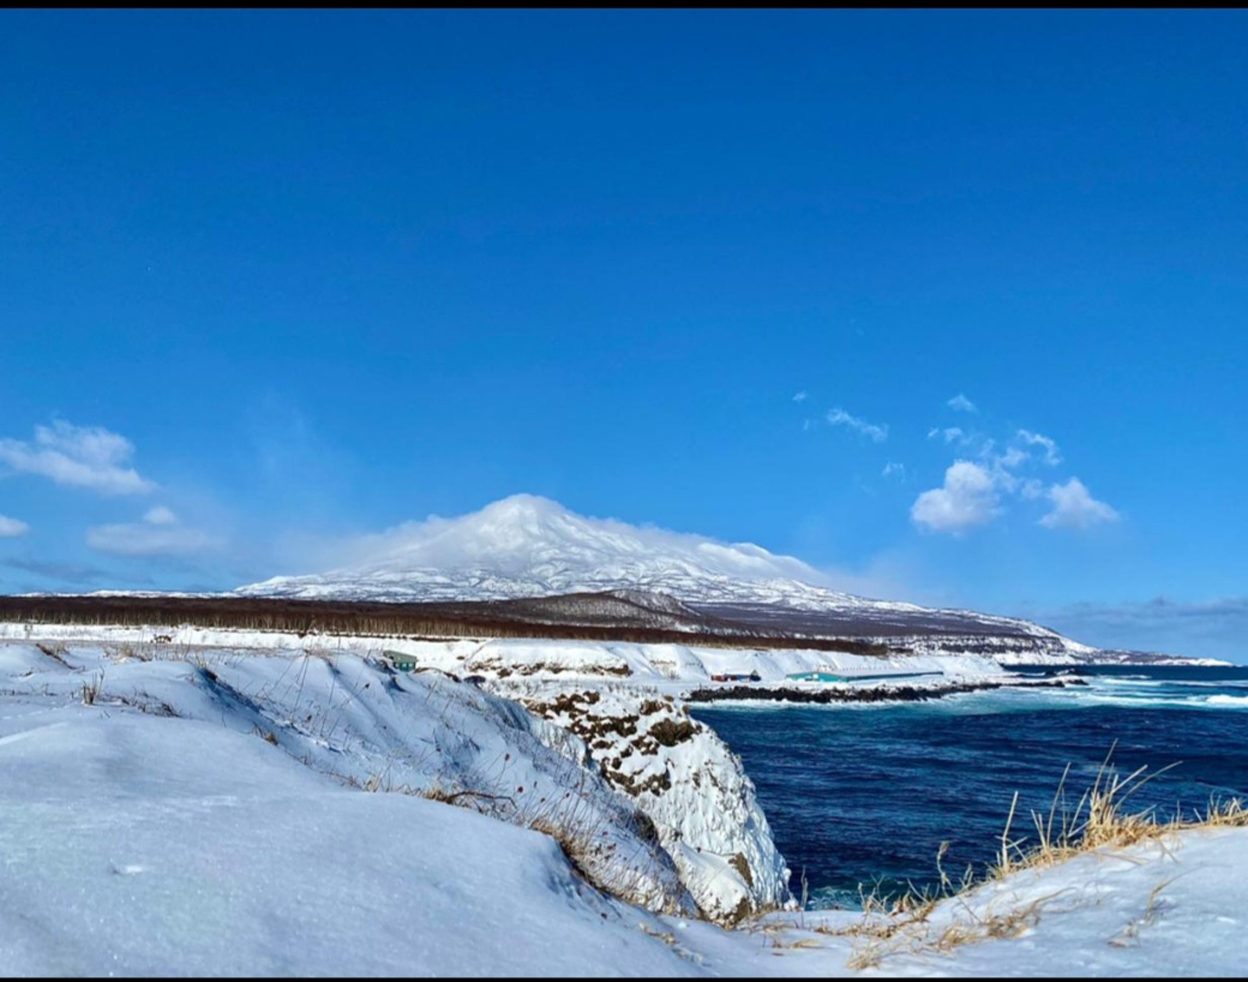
(526, 547)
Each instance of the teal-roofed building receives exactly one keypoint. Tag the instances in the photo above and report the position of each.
(815, 677)
(400, 661)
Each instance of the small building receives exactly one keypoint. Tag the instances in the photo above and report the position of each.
(737, 677)
(400, 661)
(815, 677)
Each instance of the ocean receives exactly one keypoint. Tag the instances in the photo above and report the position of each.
(866, 794)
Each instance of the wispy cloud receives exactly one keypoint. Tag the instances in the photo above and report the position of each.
(78, 456)
(839, 417)
(160, 533)
(801, 396)
(894, 469)
(1051, 455)
(962, 404)
(1075, 508)
(950, 434)
(11, 527)
(969, 497)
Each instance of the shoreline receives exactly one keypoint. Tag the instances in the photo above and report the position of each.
(905, 693)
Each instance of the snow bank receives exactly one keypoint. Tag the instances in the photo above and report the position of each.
(135, 845)
(373, 729)
(1171, 907)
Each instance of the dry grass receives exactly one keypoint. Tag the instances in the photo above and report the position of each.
(268, 736)
(124, 652)
(1099, 820)
(1129, 935)
(56, 652)
(91, 689)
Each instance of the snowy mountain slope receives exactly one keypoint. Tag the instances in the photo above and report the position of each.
(526, 546)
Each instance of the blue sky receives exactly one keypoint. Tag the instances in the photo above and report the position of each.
(269, 278)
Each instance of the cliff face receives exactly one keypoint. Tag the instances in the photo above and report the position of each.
(687, 782)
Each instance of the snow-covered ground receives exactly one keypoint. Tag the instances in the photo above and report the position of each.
(508, 658)
(133, 842)
(208, 811)
(1174, 906)
(614, 710)
(366, 725)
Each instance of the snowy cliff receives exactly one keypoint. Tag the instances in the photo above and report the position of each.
(683, 776)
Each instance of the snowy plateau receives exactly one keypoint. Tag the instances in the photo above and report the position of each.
(182, 798)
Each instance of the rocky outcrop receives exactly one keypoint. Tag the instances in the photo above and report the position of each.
(686, 781)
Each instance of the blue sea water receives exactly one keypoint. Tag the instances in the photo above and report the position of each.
(866, 794)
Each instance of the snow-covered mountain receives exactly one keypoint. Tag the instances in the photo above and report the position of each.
(527, 546)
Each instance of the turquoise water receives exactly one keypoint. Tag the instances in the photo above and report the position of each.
(867, 793)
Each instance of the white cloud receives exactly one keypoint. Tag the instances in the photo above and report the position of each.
(974, 493)
(967, 499)
(1031, 489)
(10, 527)
(801, 396)
(951, 434)
(893, 469)
(1075, 508)
(160, 515)
(962, 404)
(80, 456)
(159, 534)
(1013, 457)
(877, 432)
(1051, 455)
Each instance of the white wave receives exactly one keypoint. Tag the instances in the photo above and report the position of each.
(1133, 680)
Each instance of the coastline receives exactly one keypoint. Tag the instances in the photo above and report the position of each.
(843, 694)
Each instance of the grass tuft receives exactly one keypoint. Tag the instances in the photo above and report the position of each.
(91, 689)
(1100, 819)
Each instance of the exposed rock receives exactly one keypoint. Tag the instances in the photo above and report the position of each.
(692, 788)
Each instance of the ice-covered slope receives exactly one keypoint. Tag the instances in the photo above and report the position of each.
(527, 546)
